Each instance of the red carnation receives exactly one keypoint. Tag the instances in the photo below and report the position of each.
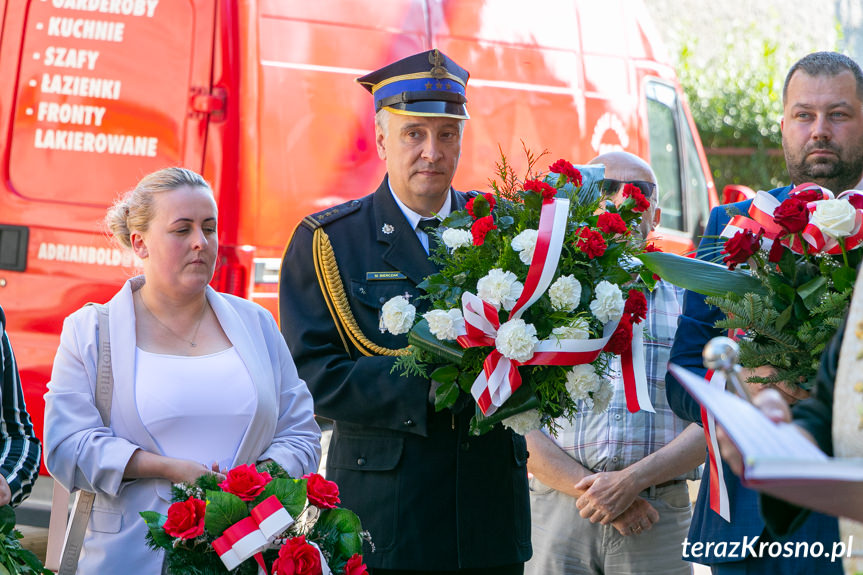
(591, 243)
(792, 215)
(480, 209)
(245, 482)
(185, 518)
(541, 188)
(611, 223)
(322, 494)
(355, 565)
(296, 557)
(650, 248)
(741, 247)
(566, 169)
(621, 339)
(480, 228)
(641, 203)
(636, 305)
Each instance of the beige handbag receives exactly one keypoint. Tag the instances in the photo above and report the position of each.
(64, 543)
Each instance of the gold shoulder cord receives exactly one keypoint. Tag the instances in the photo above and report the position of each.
(327, 270)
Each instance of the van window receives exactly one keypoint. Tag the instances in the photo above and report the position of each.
(664, 151)
(696, 184)
(102, 98)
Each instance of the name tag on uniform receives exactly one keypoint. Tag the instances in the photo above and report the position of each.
(370, 276)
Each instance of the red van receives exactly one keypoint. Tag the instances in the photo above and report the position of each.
(259, 96)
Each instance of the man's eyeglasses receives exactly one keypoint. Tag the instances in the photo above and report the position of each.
(609, 187)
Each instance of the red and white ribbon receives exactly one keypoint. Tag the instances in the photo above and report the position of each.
(546, 254)
(718, 489)
(272, 517)
(252, 534)
(821, 242)
(633, 373)
(760, 218)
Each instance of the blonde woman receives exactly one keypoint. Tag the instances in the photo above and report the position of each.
(203, 381)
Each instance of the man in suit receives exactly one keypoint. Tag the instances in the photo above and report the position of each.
(434, 498)
(822, 137)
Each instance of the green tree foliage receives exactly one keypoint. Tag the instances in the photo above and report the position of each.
(736, 101)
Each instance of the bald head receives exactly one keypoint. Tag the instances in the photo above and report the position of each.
(627, 167)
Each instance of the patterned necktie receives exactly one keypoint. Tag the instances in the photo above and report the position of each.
(430, 228)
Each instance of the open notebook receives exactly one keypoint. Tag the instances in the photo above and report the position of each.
(777, 458)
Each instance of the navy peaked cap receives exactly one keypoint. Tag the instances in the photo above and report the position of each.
(425, 84)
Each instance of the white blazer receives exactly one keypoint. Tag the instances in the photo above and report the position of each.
(81, 453)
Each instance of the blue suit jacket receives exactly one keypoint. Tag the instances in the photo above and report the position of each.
(695, 328)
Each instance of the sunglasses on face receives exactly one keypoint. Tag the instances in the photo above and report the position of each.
(609, 187)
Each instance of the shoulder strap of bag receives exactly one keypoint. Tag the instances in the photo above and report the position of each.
(81, 509)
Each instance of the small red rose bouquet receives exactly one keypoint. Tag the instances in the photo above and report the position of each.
(258, 521)
(532, 300)
(789, 271)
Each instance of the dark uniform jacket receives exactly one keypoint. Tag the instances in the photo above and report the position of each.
(432, 496)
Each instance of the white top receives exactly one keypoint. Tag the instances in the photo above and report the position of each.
(197, 407)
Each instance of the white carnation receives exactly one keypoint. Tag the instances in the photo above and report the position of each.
(602, 397)
(443, 323)
(499, 288)
(582, 380)
(454, 238)
(516, 340)
(525, 244)
(398, 315)
(835, 218)
(565, 293)
(608, 302)
(524, 422)
(577, 329)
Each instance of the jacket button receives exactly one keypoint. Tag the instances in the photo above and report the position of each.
(408, 422)
(465, 446)
(361, 461)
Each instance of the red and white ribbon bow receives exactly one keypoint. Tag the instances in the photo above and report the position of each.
(812, 239)
(251, 535)
(499, 377)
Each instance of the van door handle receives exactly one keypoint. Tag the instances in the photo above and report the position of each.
(13, 247)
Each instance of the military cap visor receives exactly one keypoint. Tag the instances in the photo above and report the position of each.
(425, 84)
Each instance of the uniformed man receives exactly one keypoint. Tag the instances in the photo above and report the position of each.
(434, 498)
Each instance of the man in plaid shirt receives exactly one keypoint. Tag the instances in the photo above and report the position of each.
(609, 494)
(19, 447)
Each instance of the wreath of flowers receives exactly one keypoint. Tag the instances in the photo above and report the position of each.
(790, 268)
(258, 520)
(489, 309)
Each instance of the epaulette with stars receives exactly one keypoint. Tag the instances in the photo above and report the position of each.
(329, 215)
